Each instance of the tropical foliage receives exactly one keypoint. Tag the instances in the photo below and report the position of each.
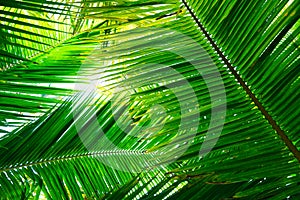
(69, 129)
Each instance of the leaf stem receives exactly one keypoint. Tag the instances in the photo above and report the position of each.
(275, 126)
(77, 156)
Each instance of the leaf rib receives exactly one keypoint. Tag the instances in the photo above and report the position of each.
(275, 126)
(77, 156)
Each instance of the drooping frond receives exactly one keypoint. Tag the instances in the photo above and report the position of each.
(150, 100)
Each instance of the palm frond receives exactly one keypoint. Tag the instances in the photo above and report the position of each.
(94, 94)
(262, 42)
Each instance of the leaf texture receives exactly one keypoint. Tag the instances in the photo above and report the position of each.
(78, 118)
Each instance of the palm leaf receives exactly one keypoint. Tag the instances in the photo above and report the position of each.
(71, 136)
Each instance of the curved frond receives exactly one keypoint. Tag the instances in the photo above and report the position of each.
(149, 100)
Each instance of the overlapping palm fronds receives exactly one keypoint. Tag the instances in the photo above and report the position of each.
(79, 88)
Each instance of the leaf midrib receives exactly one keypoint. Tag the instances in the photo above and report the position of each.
(77, 156)
(265, 113)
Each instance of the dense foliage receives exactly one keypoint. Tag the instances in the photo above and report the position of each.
(232, 65)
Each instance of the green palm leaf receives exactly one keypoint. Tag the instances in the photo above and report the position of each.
(149, 100)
